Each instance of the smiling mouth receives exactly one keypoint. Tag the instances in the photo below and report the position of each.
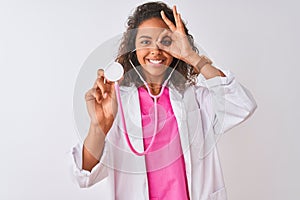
(155, 62)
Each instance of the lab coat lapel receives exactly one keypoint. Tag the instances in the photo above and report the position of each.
(132, 114)
(178, 106)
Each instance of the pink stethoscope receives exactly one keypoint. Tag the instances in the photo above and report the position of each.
(113, 73)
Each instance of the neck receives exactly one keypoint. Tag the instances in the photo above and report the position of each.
(155, 84)
(154, 88)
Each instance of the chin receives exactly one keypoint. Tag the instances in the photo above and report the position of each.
(155, 73)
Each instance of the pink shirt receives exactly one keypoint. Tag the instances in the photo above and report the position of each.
(165, 161)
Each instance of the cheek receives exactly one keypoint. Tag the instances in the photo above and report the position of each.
(140, 55)
(169, 59)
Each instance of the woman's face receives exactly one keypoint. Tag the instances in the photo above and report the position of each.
(153, 60)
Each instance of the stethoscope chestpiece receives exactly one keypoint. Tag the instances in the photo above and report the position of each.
(114, 72)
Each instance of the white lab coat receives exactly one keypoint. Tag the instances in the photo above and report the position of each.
(203, 111)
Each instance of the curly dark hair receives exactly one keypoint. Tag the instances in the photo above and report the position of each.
(186, 75)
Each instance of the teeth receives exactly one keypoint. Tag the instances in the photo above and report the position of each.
(155, 61)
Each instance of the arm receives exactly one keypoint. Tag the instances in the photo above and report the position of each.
(225, 100)
(92, 147)
(203, 65)
(102, 107)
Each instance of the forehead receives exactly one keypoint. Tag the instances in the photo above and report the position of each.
(153, 22)
(151, 26)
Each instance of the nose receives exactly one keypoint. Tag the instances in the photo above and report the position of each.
(155, 50)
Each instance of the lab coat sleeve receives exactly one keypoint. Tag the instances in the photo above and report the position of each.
(83, 177)
(229, 101)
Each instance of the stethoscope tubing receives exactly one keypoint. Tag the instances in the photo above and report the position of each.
(155, 97)
(117, 88)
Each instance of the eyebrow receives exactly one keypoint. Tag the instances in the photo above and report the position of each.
(144, 36)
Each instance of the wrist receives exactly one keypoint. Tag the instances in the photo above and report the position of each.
(96, 129)
(192, 59)
(197, 61)
(201, 62)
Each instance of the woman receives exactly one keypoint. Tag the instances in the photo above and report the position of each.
(159, 58)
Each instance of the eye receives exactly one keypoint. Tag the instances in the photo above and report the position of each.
(145, 42)
(166, 41)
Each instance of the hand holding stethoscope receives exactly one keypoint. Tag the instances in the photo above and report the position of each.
(101, 103)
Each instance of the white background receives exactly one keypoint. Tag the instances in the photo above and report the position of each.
(43, 45)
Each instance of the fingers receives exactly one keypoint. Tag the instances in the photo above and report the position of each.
(178, 20)
(94, 94)
(175, 15)
(167, 21)
(101, 88)
(172, 42)
(100, 72)
(164, 41)
(100, 75)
